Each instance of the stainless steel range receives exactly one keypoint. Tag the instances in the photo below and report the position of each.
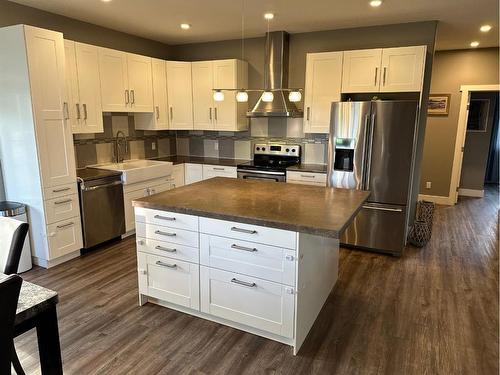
(270, 162)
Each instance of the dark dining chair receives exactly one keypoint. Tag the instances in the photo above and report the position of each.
(9, 295)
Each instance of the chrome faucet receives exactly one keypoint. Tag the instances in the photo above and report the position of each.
(121, 146)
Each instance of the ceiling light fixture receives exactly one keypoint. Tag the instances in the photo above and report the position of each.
(295, 96)
(485, 28)
(267, 96)
(242, 96)
(218, 96)
(106, 1)
(185, 26)
(268, 16)
(375, 3)
(474, 44)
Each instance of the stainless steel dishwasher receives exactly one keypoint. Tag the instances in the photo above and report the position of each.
(101, 206)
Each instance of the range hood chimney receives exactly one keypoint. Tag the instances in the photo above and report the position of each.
(276, 79)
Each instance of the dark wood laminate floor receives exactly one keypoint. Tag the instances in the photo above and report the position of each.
(434, 311)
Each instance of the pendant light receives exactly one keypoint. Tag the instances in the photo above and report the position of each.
(242, 95)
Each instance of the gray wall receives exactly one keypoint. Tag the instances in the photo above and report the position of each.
(451, 70)
(12, 14)
(477, 145)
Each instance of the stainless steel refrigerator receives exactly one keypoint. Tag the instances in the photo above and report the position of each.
(372, 147)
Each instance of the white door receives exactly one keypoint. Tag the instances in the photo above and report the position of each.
(203, 104)
(225, 77)
(361, 71)
(160, 94)
(180, 97)
(72, 95)
(114, 80)
(140, 83)
(128, 197)
(323, 86)
(192, 173)
(87, 62)
(45, 50)
(402, 69)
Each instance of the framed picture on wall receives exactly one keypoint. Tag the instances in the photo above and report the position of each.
(439, 104)
(477, 120)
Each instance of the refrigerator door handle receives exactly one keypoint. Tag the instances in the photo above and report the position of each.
(369, 152)
(365, 151)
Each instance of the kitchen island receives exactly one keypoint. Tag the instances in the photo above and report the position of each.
(257, 256)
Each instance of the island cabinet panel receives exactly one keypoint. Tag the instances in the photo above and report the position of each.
(248, 300)
(169, 280)
(167, 234)
(248, 258)
(168, 249)
(165, 218)
(247, 232)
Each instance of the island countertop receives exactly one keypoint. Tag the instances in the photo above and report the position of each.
(300, 208)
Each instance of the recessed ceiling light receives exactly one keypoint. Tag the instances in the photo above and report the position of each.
(485, 28)
(375, 3)
(474, 44)
(185, 26)
(269, 16)
(106, 1)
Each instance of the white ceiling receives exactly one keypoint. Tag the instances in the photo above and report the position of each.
(221, 19)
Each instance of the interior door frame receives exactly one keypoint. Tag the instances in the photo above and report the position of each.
(456, 171)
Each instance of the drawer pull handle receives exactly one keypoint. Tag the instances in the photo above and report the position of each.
(167, 249)
(241, 230)
(160, 263)
(164, 218)
(60, 190)
(237, 247)
(244, 283)
(164, 233)
(218, 169)
(65, 225)
(307, 176)
(64, 201)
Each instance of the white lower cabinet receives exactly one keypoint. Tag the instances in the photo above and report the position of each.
(306, 178)
(192, 173)
(64, 237)
(211, 171)
(254, 302)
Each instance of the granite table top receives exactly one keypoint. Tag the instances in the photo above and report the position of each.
(301, 208)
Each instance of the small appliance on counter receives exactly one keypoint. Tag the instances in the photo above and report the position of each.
(101, 205)
(270, 162)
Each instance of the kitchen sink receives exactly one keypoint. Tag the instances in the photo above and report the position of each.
(139, 170)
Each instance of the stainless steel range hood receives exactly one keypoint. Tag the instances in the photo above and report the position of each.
(276, 79)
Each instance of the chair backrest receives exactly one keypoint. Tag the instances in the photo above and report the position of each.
(9, 295)
(12, 235)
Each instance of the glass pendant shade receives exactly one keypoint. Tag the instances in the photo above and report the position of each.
(242, 96)
(294, 96)
(218, 96)
(267, 96)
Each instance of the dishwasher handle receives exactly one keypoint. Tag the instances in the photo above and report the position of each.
(91, 188)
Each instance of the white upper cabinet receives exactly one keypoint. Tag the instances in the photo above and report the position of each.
(402, 69)
(361, 71)
(83, 87)
(114, 80)
(140, 83)
(45, 52)
(180, 96)
(203, 103)
(323, 86)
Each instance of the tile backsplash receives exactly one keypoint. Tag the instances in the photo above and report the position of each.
(99, 148)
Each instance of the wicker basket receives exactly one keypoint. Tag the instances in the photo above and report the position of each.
(421, 231)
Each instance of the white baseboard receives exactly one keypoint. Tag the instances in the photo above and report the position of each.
(438, 199)
(54, 262)
(471, 193)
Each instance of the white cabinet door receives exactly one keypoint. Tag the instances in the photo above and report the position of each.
(64, 237)
(140, 83)
(203, 104)
(402, 69)
(178, 175)
(225, 77)
(45, 50)
(323, 86)
(72, 94)
(192, 173)
(87, 62)
(180, 96)
(361, 71)
(248, 300)
(160, 94)
(114, 80)
(170, 280)
(128, 197)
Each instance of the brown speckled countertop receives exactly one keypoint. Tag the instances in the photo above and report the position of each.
(309, 209)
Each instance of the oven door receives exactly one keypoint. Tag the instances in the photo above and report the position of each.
(262, 175)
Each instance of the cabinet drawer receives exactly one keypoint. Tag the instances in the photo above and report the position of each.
(169, 280)
(247, 300)
(62, 208)
(60, 191)
(248, 258)
(168, 249)
(210, 171)
(167, 234)
(64, 237)
(248, 232)
(312, 178)
(165, 218)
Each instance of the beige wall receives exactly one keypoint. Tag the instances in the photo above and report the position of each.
(12, 14)
(451, 69)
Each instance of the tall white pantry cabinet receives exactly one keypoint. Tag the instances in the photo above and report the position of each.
(36, 142)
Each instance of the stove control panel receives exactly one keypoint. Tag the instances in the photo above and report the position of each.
(276, 149)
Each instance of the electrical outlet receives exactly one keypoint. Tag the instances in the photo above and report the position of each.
(428, 185)
(216, 146)
(153, 145)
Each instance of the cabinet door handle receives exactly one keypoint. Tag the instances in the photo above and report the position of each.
(167, 249)
(78, 111)
(65, 225)
(84, 111)
(308, 112)
(210, 113)
(244, 283)
(127, 97)
(164, 217)
(171, 113)
(376, 74)
(65, 111)
(132, 96)
(242, 230)
(308, 176)
(160, 263)
(244, 248)
(157, 112)
(385, 70)
(169, 234)
(64, 201)
(215, 113)
(61, 190)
